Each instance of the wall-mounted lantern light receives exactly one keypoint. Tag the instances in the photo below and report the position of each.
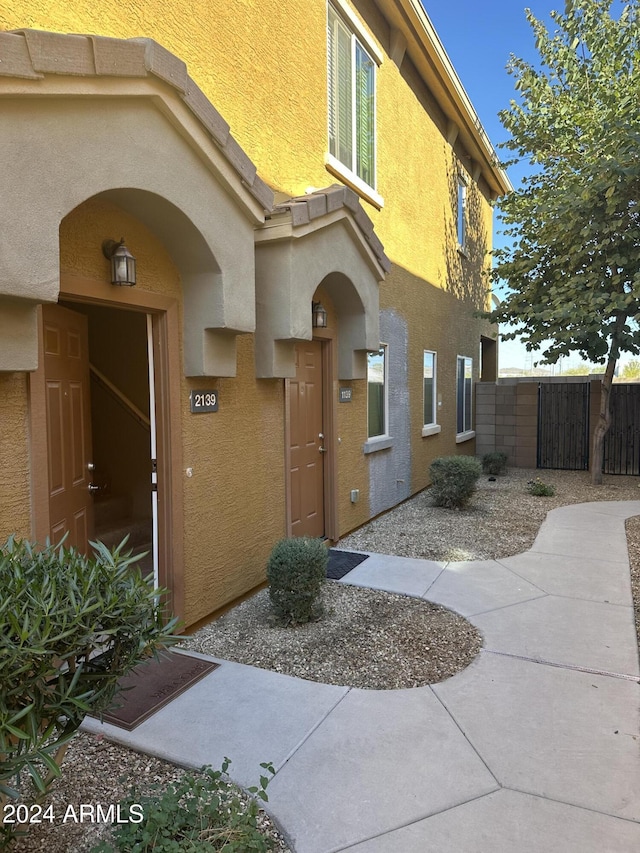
(123, 264)
(319, 315)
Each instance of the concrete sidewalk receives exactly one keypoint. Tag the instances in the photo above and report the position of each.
(534, 748)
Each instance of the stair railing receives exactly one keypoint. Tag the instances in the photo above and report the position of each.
(121, 398)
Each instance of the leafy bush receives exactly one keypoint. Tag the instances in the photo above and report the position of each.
(296, 570)
(58, 610)
(453, 480)
(200, 812)
(539, 489)
(495, 462)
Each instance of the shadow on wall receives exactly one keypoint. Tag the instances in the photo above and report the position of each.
(466, 266)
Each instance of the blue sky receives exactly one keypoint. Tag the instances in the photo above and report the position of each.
(479, 38)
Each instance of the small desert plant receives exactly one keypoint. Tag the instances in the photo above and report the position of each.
(539, 489)
(200, 812)
(296, 570)
(453, 480)
(72, 625)
(495, 462)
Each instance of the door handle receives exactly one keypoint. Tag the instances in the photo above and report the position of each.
(94, 488)
(322, 450)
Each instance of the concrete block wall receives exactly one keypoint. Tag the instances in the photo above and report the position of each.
(506, 416)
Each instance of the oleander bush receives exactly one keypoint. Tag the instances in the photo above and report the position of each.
(296, 570)
(72, 625)
(199, 813)
(494, 462)
(454, 480)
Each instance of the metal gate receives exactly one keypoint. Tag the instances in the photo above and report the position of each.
(622, 441)
(563, 425)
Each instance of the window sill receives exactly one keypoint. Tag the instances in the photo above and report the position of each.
(339, 170)
(431, 429)
(380, 442)
(465, 436)
(462, 250)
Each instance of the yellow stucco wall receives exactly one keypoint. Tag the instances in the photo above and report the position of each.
(262, 63)
(15, 492)
(235, 454)
(263, 66)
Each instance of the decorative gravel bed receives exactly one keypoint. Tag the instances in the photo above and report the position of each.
(367, 638)
(363, 628)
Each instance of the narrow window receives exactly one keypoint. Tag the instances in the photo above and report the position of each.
(351, 95)
(462, 213)
(429, 385)
(377, 392)
(463, 394)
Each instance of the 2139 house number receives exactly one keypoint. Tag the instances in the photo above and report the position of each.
(204, 401)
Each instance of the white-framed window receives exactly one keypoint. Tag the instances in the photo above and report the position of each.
(351, 79)
(429, 391)
(464, 390)
(377, 393)
(461, 213)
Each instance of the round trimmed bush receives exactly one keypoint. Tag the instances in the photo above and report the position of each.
(495, 462)
(453, 480)
(296, 570)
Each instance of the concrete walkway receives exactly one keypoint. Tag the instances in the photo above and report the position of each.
(534, 748)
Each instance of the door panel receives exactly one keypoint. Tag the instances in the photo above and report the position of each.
(306, 473)
(66, 368)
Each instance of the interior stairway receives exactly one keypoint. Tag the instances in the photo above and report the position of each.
(113, 521)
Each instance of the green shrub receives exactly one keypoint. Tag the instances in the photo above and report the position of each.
(59, 609)
(453, 480)
(495, 462)
(296, 570)
(200, 812)
(539, 489)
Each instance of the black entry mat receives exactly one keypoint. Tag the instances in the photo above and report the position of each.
(152, 684)
(341, 563)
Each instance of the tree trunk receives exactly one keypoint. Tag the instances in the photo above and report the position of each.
(604, 422)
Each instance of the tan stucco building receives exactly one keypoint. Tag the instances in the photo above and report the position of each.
(262, 161)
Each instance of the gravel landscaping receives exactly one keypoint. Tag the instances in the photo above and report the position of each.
(367, 639)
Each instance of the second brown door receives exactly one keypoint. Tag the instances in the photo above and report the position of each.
(306, 442)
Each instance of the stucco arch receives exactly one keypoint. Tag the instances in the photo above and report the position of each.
(84, 117)
(307, 245)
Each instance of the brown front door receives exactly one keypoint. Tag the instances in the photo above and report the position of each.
(66, 370)
(306, 442)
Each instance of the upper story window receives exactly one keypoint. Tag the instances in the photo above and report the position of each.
(377, 386)
(462, 213)
(351, 97)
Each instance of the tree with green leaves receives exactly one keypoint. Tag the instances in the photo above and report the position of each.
(573, 266)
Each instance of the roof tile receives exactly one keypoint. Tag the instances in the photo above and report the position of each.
(14, 57)
(165, 65)
(55, 53)
(119, 58)
(204, 110)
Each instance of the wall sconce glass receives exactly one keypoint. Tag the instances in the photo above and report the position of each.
(123, 264)
(319, 315)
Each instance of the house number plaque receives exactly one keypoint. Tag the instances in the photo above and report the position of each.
(345, 395)
(204, 401)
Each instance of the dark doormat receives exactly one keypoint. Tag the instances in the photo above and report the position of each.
(341, 563)
(153, 684)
